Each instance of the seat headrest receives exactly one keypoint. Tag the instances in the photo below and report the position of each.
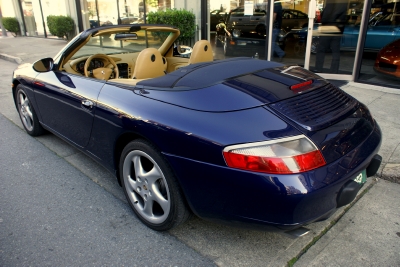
(149, 64)
(202, 52)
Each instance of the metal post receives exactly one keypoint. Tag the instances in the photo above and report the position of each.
(362, 35)
(119, 15)
(311, 16)
(41, 13)
(268, 27)
(3, 30)
(144, 11)
(204, 24)
(23, 17)
(79, 15)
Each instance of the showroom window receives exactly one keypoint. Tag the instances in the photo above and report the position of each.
(380, 61)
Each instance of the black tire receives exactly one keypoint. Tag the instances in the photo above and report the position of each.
(27, 113)
(151, 188)
(227, 50)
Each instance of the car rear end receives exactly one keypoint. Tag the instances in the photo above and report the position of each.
(276, 147)
(341, 127)
(319, 170)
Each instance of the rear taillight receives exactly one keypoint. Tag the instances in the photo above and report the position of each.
(281, 156)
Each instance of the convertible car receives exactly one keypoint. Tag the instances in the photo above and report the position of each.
(243, 141)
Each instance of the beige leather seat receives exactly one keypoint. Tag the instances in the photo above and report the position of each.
(202, 52)
(149, 64)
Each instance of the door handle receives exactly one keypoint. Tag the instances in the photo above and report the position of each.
(87, 103)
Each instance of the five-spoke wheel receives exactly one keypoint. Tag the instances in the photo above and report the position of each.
(150, 187)
(27, 113)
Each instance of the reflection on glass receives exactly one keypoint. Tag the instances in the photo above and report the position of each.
(335, 39)
(112, 12)
(381, 57)
(27, 9)
(51, 8)
(131, 12)
(244, 34)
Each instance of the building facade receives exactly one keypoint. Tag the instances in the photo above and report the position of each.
(339, 39)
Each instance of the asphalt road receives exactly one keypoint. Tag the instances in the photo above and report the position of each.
(52, 214)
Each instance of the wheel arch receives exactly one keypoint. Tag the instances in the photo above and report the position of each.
(120, 143)
(14, 86)
(124, 140)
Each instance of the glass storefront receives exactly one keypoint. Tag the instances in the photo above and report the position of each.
(92, 12)
(328, 43)
(35, 13)
(29, 17)
(113, 12)
(380, 63)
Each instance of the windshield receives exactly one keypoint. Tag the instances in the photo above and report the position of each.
(106, 44)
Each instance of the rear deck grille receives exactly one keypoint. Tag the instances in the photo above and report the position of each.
(317, 109)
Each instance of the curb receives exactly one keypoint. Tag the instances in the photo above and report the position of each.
(11, 58)
(390, 172)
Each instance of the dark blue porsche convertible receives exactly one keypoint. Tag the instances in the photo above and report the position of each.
(243, 141)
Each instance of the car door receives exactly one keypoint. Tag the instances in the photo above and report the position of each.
(350, 37)
(67, 104)
(383, 32)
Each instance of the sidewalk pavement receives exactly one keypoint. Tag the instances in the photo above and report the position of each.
(370, 233)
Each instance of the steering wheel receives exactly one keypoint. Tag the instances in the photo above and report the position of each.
(102, 73)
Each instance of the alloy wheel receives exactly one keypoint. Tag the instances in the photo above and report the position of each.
(25, 110)
(146, 187)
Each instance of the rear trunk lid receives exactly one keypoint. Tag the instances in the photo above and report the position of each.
(335, 121)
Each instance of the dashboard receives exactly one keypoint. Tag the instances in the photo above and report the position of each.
(94, 64)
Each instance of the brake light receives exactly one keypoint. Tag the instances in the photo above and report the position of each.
(282, 156)
(300, 85)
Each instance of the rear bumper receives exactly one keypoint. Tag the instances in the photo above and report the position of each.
(349, 190)
(274, 202)
(392, 73)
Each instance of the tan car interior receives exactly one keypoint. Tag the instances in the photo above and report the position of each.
(147, 64)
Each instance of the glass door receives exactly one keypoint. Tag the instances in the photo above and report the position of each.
(332, 42)
(29, 17)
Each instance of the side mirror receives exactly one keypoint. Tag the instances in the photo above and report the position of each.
(43, 65)
(184, 50)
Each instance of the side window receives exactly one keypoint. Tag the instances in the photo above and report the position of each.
(287, 15)
(302, 15)
(375, 19)
(386, 20)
